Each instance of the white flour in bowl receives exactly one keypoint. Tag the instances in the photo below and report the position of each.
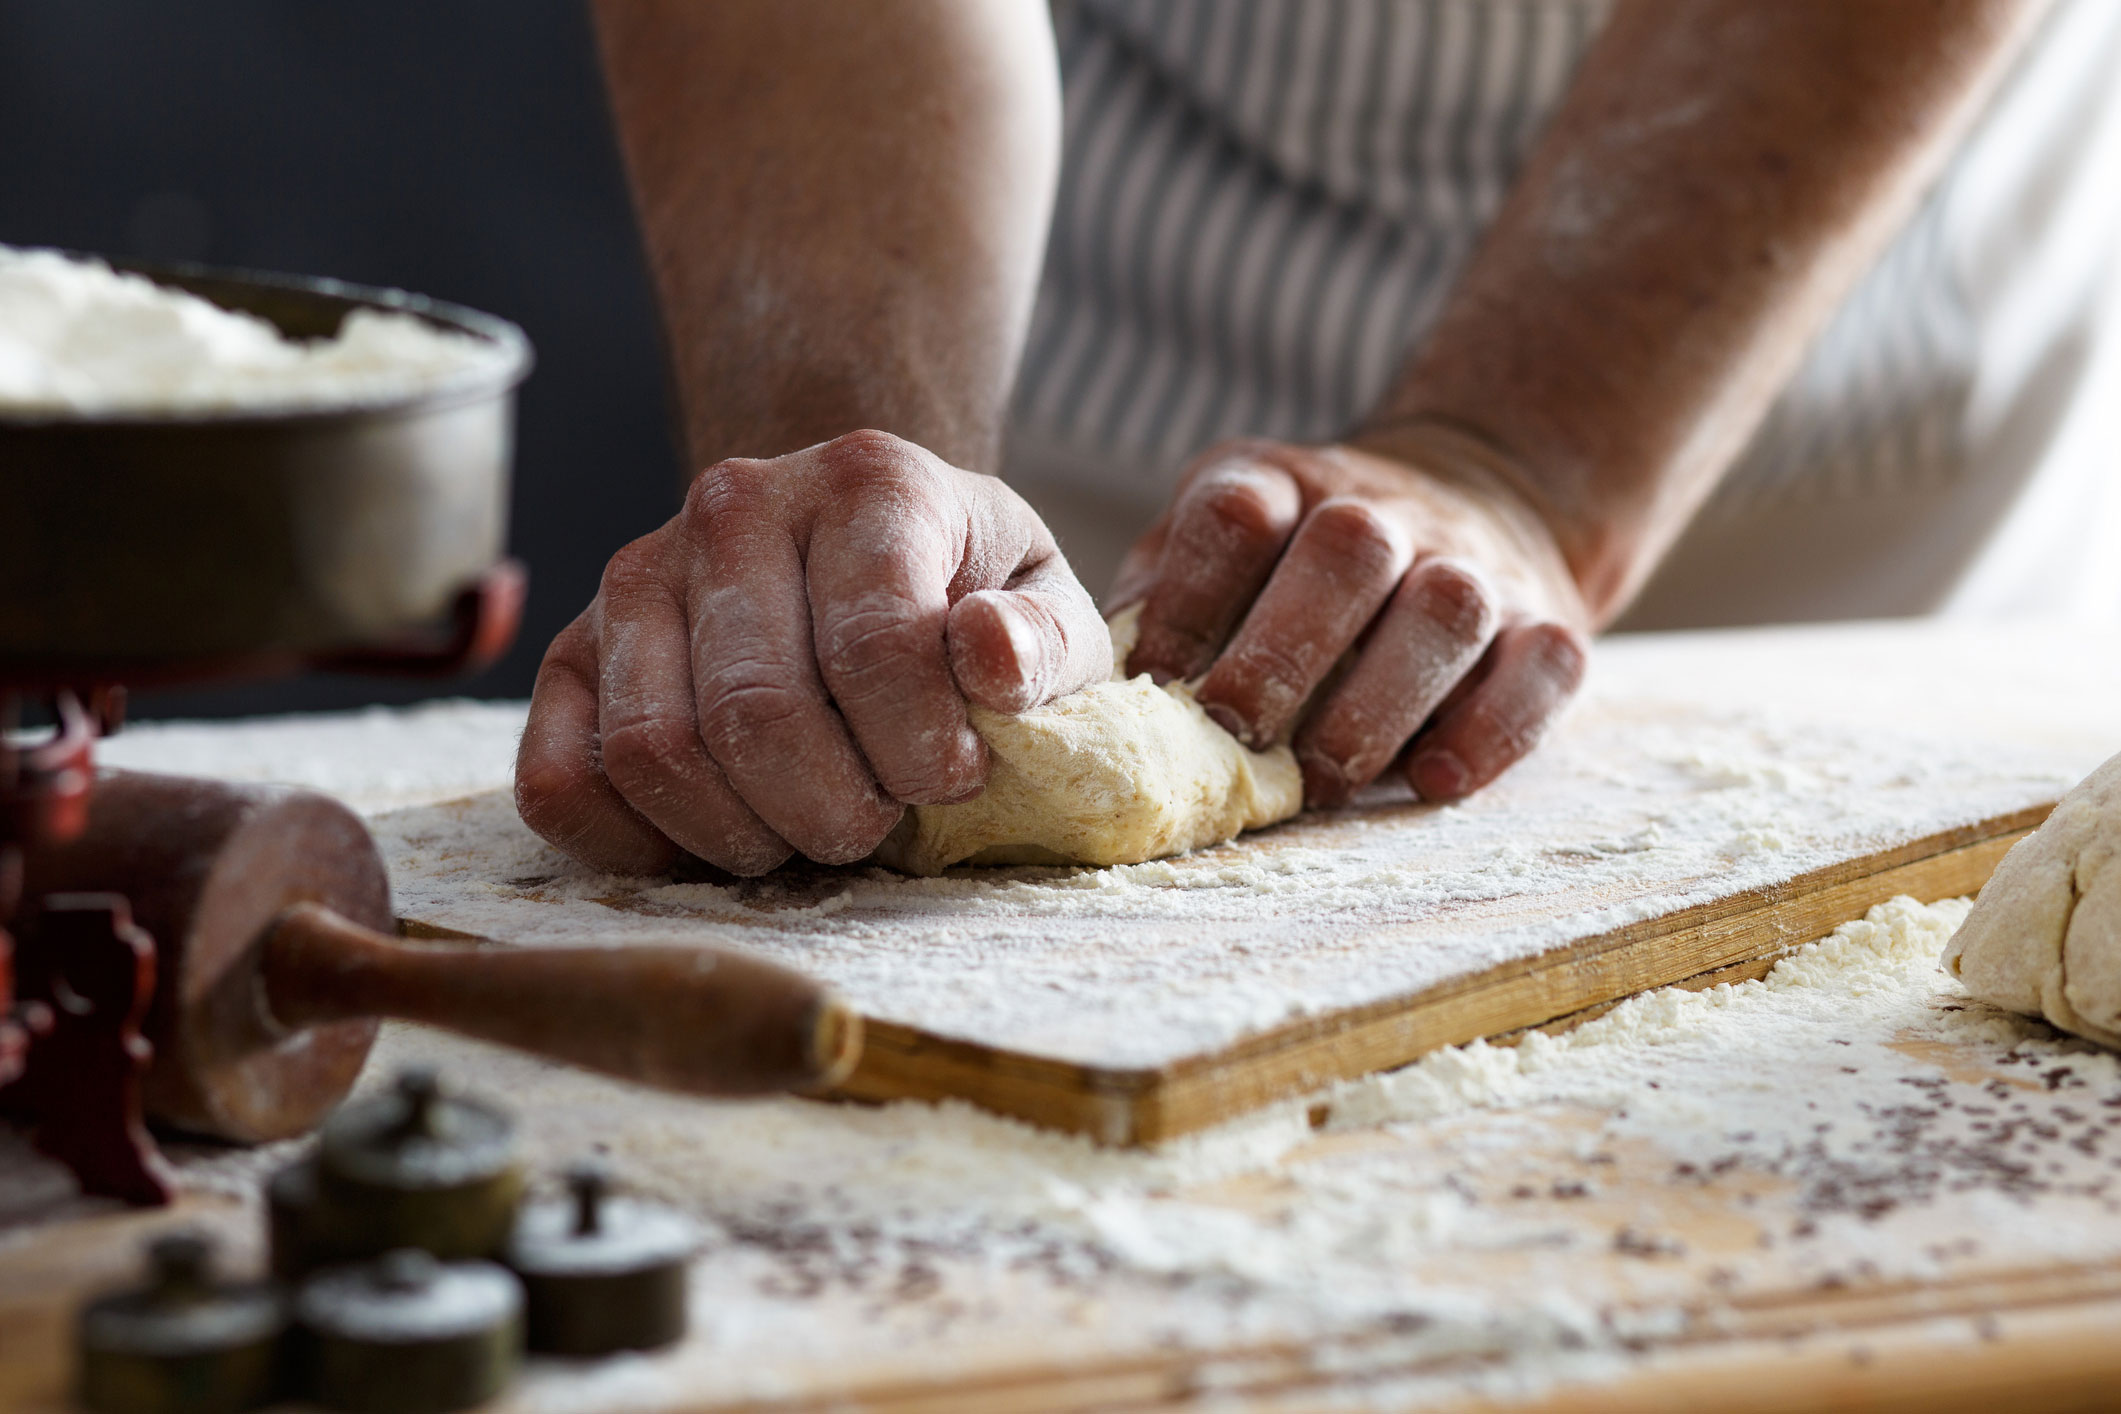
(79, 338)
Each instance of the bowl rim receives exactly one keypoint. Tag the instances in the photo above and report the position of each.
(464, 386)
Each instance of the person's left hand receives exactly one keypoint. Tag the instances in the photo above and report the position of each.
(1276, 560)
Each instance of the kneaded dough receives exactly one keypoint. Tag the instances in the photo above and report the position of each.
(1117, 773)
(2044, 938)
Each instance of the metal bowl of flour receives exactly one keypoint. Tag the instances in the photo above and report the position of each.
(162, 546)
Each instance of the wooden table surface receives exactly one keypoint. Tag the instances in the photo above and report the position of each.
(1539, 1253)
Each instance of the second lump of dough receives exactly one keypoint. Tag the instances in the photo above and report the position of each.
(2045, 936)
(1120, 772)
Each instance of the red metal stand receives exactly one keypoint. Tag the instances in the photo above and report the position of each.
(75, 987)
(77, 975)
(93, 970)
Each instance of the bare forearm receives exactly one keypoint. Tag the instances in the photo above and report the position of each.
(1720, 174)
(844, 207)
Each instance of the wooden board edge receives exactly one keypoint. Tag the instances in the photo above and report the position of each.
(1124, 1106)
(1569, 981)
(1751, 970)
(1721, 941)
(1741, 913)
(901, 1062)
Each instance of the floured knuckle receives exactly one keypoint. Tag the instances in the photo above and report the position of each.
(1277, 675)
(546, 794)
(1069, 646)
(748, 854)
(925, 777)
(1558, 653)
(855, 837)
(1350, 736)
(867, 444)
(573, 822)
(738, 841)
(1490, 738)
(1009, 505)
(1244, 453)
(867, 459)
(632, 568)
(727, 490)
(1353, 539)
(749, 717)
(567, 669)
(638, 752)
(1297, 465)
(1454, 598)
(1237, 505)
(868, 648)
(570, 648)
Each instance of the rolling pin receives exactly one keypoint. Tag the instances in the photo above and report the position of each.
(270, 910)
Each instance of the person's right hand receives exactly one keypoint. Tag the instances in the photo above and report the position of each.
(786, 664)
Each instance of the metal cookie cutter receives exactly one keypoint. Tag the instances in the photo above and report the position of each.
(602, 1273)
(418, 1168)
(183, 1344)
(406, 1334)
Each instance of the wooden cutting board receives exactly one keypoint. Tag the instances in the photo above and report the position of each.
(1654, 841)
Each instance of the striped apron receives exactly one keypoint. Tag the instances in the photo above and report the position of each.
(1263, 203)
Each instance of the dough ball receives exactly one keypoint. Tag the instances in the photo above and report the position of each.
(2045, 936)
(1120, 772)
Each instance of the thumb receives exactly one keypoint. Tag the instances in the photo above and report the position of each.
(1018, 648)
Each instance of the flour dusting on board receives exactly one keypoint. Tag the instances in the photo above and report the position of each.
(376, 759)
(1629, 813)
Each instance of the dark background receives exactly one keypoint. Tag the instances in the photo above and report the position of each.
(459, 148)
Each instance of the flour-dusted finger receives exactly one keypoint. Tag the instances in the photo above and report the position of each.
(560, 788)
(887, 545)
(1015, 649)
(1036, 635)
(649, 724)
(1439, 622)
(1527, 677)
(763, 710)
(1228, 529)
(1339, 571)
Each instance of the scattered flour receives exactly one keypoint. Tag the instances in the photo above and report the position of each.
(1823, 1088)
(1885, 960)
(376, 759)
(1492, 1219)
(78, 338)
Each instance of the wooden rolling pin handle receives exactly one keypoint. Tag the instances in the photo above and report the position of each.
(699, 1020)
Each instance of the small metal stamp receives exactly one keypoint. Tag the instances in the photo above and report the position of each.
(419, 1167)
(602, 1273)
(290, 1215)
(183, 1344)
(302, 1233)
(407, 1334)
